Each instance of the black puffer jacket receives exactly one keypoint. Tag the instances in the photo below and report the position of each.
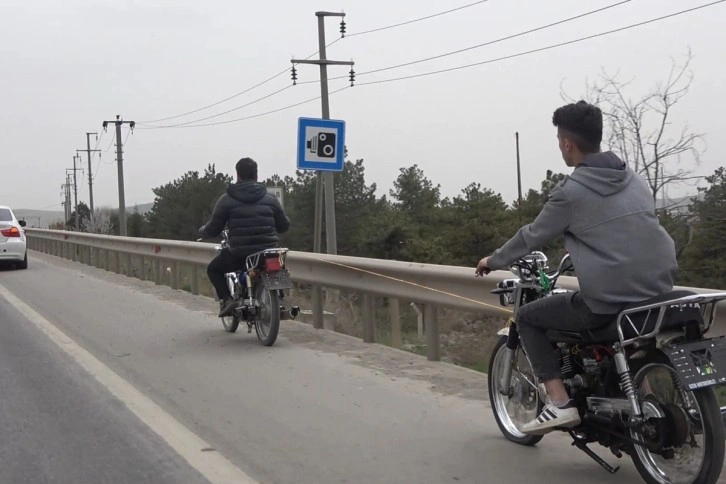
(253, 217)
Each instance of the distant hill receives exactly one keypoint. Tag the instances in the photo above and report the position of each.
(43, 218)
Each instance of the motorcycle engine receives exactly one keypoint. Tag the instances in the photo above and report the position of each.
(582, 367)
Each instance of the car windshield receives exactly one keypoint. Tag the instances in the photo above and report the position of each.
(5, 215)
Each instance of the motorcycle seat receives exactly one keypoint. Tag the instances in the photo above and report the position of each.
(643, 321)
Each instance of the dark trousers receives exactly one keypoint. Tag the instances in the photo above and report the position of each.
(562, 312)
(219, 266)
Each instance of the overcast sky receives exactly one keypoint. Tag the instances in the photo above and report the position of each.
(68, 65)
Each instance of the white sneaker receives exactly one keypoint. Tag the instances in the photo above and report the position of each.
(551, 417)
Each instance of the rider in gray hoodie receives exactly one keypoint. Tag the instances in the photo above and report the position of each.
(616, 243)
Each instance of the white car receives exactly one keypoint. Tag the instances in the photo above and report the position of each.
(13, 247)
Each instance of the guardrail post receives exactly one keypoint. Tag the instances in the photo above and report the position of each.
(433, 348)
(175, 274)
(368, 318)
(420, 321)
(394, 313)
(317, 307)
(142, 270)
(156, 270)
(195, 279)
(127, 264)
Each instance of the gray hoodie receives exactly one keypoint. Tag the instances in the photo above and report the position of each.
(616, 243)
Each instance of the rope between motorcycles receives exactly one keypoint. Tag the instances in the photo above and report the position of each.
(463, 298)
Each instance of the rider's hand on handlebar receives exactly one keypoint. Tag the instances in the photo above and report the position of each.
(482, 268)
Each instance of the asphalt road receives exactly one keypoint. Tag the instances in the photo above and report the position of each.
(142, 376)
(58, 425)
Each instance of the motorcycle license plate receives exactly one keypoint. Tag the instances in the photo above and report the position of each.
(699, 364)
(277, 280)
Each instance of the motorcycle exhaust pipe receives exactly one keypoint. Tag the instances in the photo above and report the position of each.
(292, 313)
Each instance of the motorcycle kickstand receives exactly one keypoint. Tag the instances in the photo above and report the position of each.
(582, 445)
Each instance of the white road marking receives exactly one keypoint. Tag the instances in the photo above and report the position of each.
(212, 465)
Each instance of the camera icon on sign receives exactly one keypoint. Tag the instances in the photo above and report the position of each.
(322, 145)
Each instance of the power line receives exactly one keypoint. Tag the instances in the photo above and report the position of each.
(219, 102)
(540, 49)
(259, 84)
(109, 147)
(271, 78)
(254, 115)
(491, 42)
(98, 140)
(561, 44)
(417, 19)
(219, 114)
(127, 136)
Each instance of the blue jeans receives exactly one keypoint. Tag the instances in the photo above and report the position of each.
(562, 312)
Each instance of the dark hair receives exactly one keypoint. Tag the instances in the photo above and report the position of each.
(583, 124)
(246, 169)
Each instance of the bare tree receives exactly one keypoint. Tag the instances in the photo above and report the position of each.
(641, 132)
(98, 223)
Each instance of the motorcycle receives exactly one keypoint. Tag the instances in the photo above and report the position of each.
(258, 292)
(643, 385)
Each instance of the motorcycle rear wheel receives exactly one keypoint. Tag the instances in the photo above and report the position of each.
(267, 320)
(706, 424)
(502, 404)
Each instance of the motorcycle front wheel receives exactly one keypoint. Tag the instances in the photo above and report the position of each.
(230, 323)
(521, 403)
(267, 321)
(693, 422)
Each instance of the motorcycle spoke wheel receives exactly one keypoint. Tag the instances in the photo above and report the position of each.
(694, 419)
(267, 319)
(521, 404)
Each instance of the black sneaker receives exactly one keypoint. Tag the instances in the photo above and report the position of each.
(226, 307)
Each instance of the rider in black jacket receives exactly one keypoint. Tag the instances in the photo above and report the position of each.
(253, 217)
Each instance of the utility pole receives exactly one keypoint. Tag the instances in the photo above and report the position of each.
(327, 178)
(120, 162)
(66, 187)
(88, 151)
(75, 191)
(519, 173)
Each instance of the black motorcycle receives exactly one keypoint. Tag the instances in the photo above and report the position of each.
(643, 385)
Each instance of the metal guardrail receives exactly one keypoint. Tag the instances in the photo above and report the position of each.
(428, 285)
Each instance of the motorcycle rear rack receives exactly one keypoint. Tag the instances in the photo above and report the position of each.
(699, 364)
(707, 303)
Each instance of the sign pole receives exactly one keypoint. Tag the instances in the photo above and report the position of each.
(327, 179)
